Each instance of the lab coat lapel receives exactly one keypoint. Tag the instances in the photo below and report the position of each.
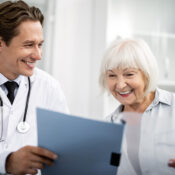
(22, 91)
(4, 98)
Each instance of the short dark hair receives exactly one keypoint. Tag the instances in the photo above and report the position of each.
(12, 14)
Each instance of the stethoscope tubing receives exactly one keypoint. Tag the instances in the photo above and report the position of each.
(24, 123)
(27, 101)
(1, 106)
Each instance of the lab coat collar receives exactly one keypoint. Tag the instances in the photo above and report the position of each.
(18, 80)
(3, 79)
(23, 87)
(32, 77)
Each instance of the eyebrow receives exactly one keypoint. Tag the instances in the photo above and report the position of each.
(110, 70)
(130, 69)
(31, 41)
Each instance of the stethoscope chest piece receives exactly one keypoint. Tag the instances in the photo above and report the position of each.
(23, 127)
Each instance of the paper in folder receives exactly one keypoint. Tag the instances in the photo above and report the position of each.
(83, 146)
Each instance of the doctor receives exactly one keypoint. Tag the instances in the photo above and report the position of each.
(23, 88)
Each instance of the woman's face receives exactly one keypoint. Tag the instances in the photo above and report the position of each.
(127, 85)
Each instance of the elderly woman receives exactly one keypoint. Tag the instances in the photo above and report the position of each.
(129, 72)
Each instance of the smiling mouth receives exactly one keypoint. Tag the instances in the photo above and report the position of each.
(125, 93)
(29, 63)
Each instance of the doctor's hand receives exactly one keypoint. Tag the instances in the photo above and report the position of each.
(28, 159)
(171, 163)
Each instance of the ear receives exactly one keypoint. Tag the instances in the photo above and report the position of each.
(2, 43)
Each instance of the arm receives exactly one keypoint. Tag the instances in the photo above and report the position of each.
(28, 159)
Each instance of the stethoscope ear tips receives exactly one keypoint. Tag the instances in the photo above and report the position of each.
(23, 127)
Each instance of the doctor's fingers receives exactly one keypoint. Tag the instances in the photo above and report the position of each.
(29, 171)
(39, 161)
(43, 153)
(171, 163)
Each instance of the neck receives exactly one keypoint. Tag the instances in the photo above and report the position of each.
(140, 107)
(9, 75)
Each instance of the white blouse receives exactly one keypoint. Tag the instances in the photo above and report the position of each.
(148, 146)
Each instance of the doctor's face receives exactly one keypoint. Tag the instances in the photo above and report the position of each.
(24, 50)
(127, 85)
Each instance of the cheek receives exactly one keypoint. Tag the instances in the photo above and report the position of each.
(110, 84)
(139, 87)
(11, 56)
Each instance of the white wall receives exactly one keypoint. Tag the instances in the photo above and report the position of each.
(78, 45)
(153, 24)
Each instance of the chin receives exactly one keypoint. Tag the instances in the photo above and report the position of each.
(127, 102)
(27, 73)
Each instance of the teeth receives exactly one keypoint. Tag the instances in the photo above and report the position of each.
(123, 93)
(30, 64)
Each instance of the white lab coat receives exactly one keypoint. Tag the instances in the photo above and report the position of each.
(45, 93)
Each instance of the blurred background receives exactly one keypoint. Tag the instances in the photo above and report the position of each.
(77, 33)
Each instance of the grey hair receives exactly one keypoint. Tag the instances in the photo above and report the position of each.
(130, 53)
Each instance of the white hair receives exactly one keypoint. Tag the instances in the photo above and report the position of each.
(130, 53)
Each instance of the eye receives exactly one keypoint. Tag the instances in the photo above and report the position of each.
(129, 74)
(111, 75)
(40, 45)
(28, 45)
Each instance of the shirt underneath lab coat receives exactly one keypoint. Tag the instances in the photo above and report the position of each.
(45, 93)
(148, 150)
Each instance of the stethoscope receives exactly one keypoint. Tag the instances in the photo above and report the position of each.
(22, 126)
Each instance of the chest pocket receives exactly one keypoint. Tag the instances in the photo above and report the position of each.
(164, 145)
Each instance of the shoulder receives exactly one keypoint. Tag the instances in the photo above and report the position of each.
(53, 98)
(43, 78)
(42, 75)
(166, 97)
(45, 83)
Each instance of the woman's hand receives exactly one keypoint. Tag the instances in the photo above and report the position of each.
(171, 163)
(28, 159)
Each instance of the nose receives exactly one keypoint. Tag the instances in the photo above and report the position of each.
(120, 85)
(37, 53)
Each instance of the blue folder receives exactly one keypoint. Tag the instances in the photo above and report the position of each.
(83, 146)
